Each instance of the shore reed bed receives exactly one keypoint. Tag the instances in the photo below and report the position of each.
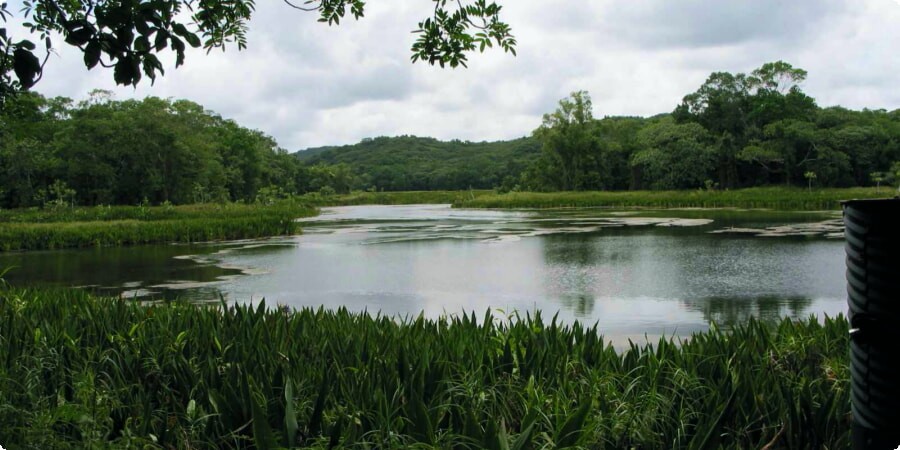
(104, 213)
(781, 198)
(396, 198)
(83, 372)
(129, 225)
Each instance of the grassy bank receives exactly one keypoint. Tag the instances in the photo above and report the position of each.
(36, 229)
(769, 197)
(395, 198)
(79, 372)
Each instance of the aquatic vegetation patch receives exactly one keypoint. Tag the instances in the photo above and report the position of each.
(780, 198)
(492, 230)
(831, 229)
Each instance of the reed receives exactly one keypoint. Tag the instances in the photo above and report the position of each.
(781, 198)
(129, 225)
(395, 198)
(105, 213)
(78, 371)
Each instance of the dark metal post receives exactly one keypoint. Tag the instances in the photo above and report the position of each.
(872, 232)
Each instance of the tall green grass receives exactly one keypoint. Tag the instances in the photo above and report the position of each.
(105, 213)
(767, 197)
(37, 229)
(83, 372)
(395, 198)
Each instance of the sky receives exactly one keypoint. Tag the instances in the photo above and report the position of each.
(308, 84)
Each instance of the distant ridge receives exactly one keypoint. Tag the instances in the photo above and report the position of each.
(422, 163)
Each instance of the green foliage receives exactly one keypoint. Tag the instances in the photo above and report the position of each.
(78, 371)
(37, 229)
(566, 137)
(797, 199)
(394, 198)
(810, 176)
(674, 156)
(409, 163)
(737, 130)
(894, 174)
(111, 152)
(128, 36)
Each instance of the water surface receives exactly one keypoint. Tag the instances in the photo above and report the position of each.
(636, 273)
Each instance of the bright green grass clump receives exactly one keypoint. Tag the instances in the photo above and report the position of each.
(797, 199)
(36, 229)
(84, 372)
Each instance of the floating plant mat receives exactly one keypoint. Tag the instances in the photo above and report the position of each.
(492, 231)
(831, 229)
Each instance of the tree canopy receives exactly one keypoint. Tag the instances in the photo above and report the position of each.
(103, 151)
(735, 130)
(127, 36)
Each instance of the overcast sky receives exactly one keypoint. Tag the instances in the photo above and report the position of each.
(307, 84)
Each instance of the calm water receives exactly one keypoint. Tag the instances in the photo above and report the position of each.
(636, 273)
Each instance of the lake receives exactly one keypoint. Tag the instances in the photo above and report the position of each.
(636, 273)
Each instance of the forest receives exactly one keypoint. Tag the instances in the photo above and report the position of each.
(737, 130)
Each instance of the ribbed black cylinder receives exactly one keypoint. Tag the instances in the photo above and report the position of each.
(872, 232)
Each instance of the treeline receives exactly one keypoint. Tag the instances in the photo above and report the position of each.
(103, 151)
(736, 130)
(410, 163)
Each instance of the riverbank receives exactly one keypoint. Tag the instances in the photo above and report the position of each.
(39, 229)
(396, 198)
(781, 198)
(79, 371)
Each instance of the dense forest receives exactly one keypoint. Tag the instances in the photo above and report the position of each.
(736, 130)
(102, 151)
(409, 163)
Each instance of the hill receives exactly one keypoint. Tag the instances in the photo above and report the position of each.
(416, 163)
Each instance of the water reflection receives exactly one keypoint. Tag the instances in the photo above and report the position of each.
(729, 311)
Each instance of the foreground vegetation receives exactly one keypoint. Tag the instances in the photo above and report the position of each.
(78, 371)
(66, 227)
(797, 199)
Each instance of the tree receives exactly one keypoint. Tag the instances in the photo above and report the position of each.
(737, 107)
(878, 178)
(566, 134)
(674, 156)
(895, 174)
(810, 176)
(127, 36)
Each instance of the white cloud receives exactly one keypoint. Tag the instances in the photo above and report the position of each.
(308, 84)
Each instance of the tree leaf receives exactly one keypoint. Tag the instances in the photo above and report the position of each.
(92, 54)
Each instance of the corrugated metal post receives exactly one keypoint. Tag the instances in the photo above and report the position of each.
(872, 231)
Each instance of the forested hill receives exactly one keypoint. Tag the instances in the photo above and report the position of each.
(418, 163)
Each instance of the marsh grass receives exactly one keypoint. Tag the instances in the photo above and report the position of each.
(37, 229)
(84, 372)
(395, 198)
(798, 199)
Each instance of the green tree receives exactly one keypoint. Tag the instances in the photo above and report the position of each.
(127, 36)
(787, 147)
(674, 156)
(735, 108)
(810, 176)
(895, 174)
(567, 136)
